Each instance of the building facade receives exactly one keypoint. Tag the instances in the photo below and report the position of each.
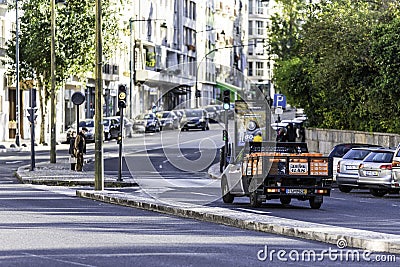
(174, 54)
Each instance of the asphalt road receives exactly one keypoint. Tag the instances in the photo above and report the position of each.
(49, 226)
(172, 166)
(163, 173)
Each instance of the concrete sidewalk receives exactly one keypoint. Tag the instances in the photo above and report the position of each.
(58, 174)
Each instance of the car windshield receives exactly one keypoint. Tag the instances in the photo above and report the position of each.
(356, 154)
(339, 151)
(193, 113)
(383, 157)
(86, 124)
(210, 109)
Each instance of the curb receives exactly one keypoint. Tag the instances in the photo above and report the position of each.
(362, 239)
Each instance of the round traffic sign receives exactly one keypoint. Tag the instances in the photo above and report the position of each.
(78, 98)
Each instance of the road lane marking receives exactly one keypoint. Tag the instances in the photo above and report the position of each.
(338, 198)
(14, 162)
(202, 194)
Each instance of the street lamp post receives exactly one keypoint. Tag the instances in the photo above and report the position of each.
(99, 171)
(53, 87)
(17, 120)
(53, 138)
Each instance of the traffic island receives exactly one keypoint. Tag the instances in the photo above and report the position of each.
(59, 174)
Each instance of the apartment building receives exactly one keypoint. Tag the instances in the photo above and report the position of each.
(174, 54)
(260, 63)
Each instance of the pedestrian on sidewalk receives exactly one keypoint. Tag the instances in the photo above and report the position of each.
(72, 158)
(80, 148)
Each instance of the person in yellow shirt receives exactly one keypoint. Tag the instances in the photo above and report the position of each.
(258, 137)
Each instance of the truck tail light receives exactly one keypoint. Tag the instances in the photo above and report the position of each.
(338, 167)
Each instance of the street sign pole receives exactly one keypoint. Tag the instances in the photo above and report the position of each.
(121, 106)
(121, 127)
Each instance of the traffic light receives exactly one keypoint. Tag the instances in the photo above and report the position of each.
(32, 114)
(224, 135)
(227, 99)
(119, 138)
(198, 94)
(122, 96)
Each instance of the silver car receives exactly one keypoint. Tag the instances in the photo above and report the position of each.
(395, 181)
(347, 168)
(375, 172)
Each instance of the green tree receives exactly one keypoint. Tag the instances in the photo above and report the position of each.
(343, 67)
(75, 38)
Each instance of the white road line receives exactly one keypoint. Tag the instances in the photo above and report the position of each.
(14, 162)
(202, 194)
(338, 198)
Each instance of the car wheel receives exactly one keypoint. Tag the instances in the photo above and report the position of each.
(227, 197)
(345, 189)
(315, 204)
(285, 200)
(378, 192)
(254, 202)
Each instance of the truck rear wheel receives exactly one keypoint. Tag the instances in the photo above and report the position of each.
(254, 202)
(227, 197)
(285, 200)
(344, 189)
(315, 203)
(378, 192)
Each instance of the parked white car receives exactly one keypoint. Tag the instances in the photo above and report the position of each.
(375, 172)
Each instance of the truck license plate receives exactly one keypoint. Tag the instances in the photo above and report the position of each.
(296, 168)
(296, 191)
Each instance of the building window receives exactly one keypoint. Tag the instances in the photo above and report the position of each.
(259, 68)
(115, 69)
(250, 7)
(193, 10)
(260, 27)
(106, 69)
(250, 68)
(185, 9)
(260, 8)
(250, 27)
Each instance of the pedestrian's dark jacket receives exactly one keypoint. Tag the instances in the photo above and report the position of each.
(291, 133)
(80, 144)
(71, 146)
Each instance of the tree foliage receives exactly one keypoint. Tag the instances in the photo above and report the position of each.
(75, 42)
(343, 67)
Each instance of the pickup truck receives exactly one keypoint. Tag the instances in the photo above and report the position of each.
(269, 170)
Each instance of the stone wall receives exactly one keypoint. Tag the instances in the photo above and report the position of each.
(323, 140)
